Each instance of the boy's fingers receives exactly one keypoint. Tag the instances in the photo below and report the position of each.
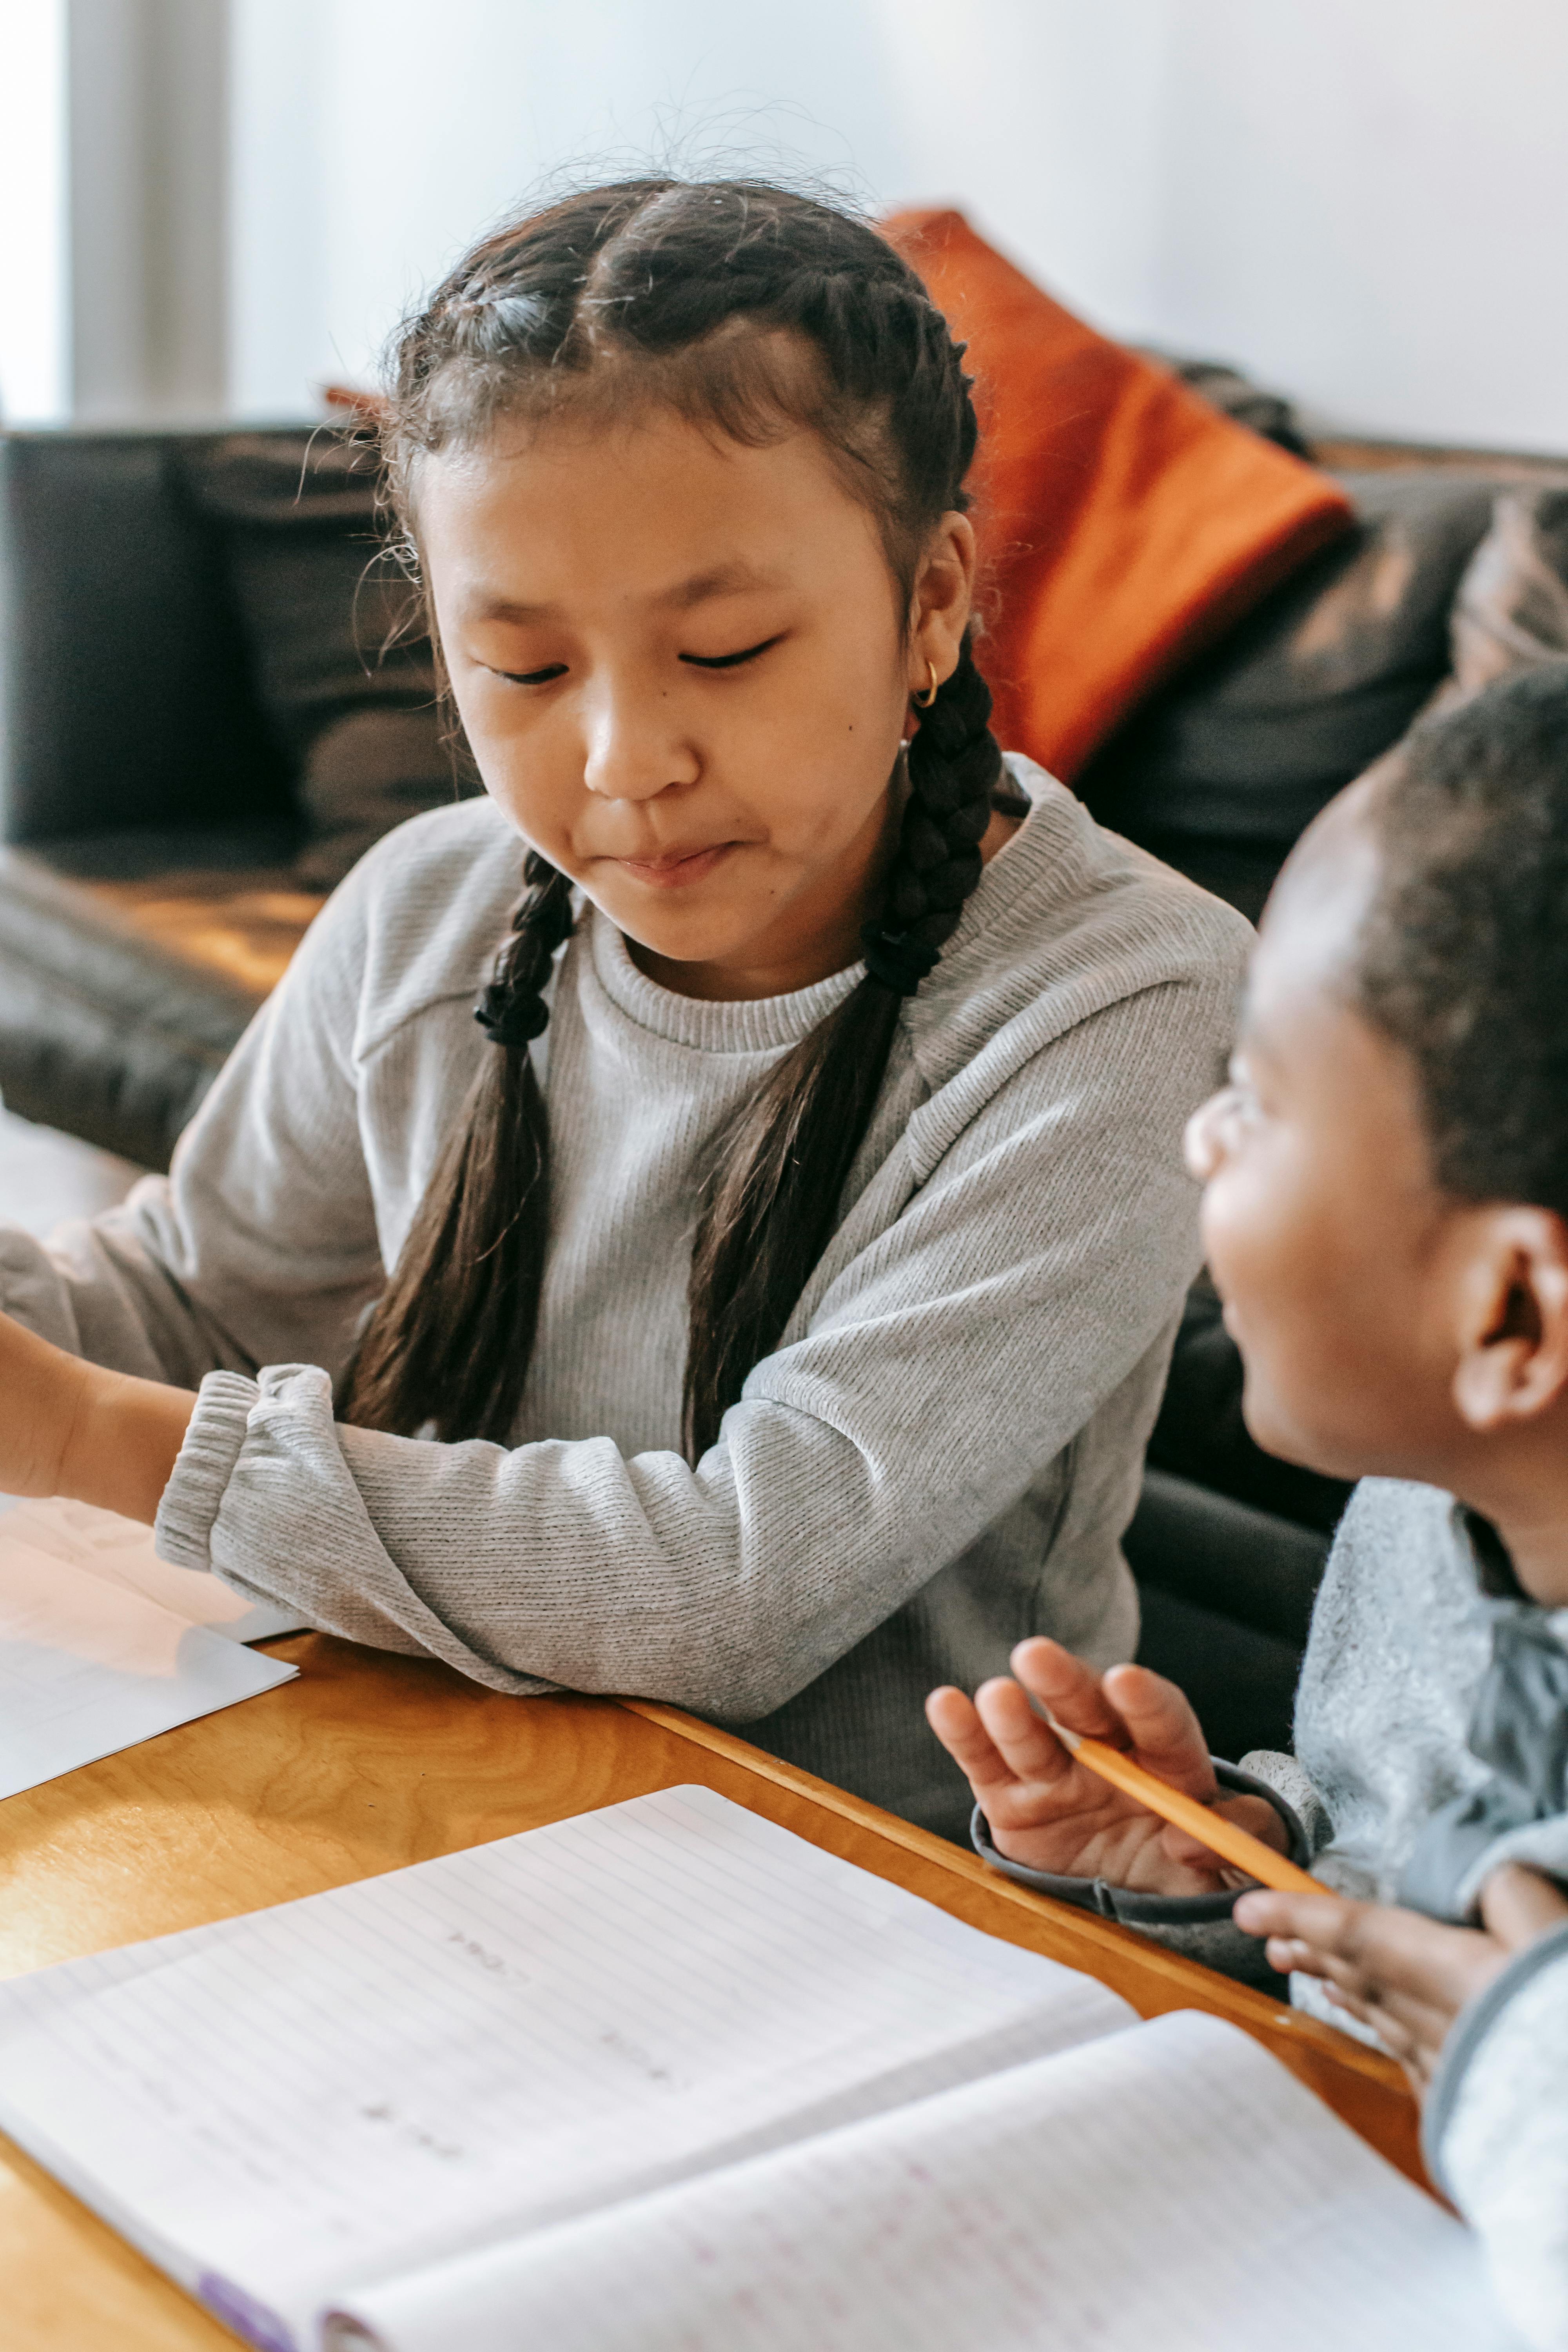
(953, 1717)
(1387, 1954)
(1288, 1956)
(1409, 2029)
(1370, 1995)
(1164, 1728)
(1314, 1919)
(1131, 1707)
(1069, 1688)
(1414, 2049)
(1028, 1747)
(1519, 1905)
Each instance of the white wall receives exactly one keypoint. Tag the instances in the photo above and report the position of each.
(148, 179)
(1368, 199)
(1364, 201)
(375, 138)
(35, 353)
(113, 209)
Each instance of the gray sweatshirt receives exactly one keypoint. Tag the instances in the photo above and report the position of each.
(939, 1458)
(1410, 1670)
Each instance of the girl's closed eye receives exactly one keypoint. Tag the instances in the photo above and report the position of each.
(733, 661)
(550, 671)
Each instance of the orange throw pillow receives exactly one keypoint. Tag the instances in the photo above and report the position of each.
(1123, 522)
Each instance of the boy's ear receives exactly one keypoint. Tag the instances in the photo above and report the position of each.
(1513, 1338)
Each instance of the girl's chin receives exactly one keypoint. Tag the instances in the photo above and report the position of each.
(674, 946)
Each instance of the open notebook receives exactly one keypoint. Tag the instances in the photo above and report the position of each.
(665, 2078)
(103, 1644)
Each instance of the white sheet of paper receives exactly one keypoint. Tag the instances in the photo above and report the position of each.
(89, 1665)
(120, 1550)
(1169, 2186)
(281, 2107)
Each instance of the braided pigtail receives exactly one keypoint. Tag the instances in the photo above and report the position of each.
(771, 1204)
(450, 1337)
(955, 765)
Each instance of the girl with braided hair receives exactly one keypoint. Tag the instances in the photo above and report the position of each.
(764, 1306)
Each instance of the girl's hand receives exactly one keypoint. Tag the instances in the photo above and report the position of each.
(1051, 1813)
(1402, 1974)
(68, 1427)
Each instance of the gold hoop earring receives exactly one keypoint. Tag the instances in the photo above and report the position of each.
(923, 701)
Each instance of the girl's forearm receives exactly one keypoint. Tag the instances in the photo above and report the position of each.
(71, 1428)
(124, 1442)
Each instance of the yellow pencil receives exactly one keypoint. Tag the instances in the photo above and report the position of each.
(1213, 1830)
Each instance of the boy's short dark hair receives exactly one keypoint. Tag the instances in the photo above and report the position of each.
(1464, 955)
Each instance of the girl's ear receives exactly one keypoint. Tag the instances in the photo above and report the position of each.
(1513, 1361)
(942, 601)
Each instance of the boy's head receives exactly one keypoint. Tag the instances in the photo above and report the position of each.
(1386, 1202)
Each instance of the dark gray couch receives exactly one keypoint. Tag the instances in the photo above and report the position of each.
(132, 751)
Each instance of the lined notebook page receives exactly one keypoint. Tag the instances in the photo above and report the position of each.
(89, 1666)
(292, 2103)
(1172, 2187)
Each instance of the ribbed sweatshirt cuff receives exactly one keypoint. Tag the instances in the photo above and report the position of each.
(1140, 1910)
(203, 1468)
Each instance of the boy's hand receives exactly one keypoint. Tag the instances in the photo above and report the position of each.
(1405, 1976)
(1051, 1813)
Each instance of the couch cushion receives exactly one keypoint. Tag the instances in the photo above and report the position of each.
(1511, 609)
(1225, 387)
(239, 931)
(124, 694)
(1312, 686)
(1226, 1597)
(344, 665)
(1124, 520)
(124, 997)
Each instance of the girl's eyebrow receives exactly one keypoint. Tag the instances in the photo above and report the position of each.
(725, 579)
(739, 578)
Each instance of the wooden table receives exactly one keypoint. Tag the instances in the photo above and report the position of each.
(370, 1762)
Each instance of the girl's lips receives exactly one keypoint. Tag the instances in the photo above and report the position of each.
(671, 872)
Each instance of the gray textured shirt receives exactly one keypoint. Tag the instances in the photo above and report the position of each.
(939, 1456)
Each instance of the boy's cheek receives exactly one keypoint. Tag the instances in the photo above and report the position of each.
(1293, 1313)
(1251, 1238)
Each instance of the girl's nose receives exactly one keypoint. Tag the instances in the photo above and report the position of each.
(634, 752)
